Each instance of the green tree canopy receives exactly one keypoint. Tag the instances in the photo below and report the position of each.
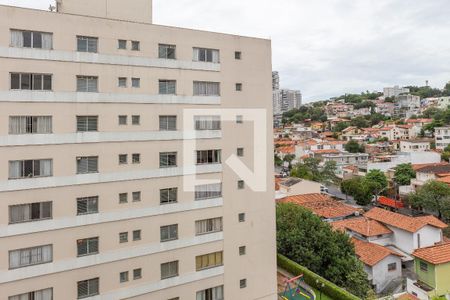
(376, 181)
(432, 196)
(359, 122)
(354, 147)
(358, 189)
(310, 170)
(403, 174)
(306, 239)
(340, 126)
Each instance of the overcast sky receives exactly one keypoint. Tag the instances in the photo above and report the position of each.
(328, 47)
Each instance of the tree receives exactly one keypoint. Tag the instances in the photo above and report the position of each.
(359, 122)
(277, 160)
(328, 172)
(358, 189)
(340, 126)
(376, 182)
(289, 158)
(354, 147)
(403, 174)
(307, 240)
(432, 196)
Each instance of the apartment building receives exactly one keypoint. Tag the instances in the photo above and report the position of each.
(92, 197)
(442, 137)
(394, 91)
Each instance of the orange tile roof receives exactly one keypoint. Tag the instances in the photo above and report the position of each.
(370, 253)
(411, 224)
(419, 166)
(407, 297)
(439, 254)
(286, 150)
(444, 179)
(322, 205)
(419, 120)
(333, 151)
(363, 226)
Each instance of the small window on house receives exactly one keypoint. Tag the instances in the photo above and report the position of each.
(237, 55)
(123, 198)
(242, 250)
(123, 276)
(122, 82)
(136, 196)
(167, 51)
(243, 283)
(123, 159)
(240, 184)
(239, 87)
(122, 44)
(392, 267)
(423, 266)
(241, 217)
(136, 158)
(135, 45)
(240, 152)
(239, 119)
(137, 274)
(87, 44)
(123, 237)
(135, 120)
(136, 235)
(123, 120)
(136, 82)
(169, 233)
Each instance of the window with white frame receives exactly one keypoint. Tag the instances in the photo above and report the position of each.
(208, 191)
(36, 211)
(215, 293)
(30, 124)
(167, 159)
(169, 233)
(31, 81)
(87, 205)
(31, 39)
(208, 226)
(206, 88)
(169, 269)
(167, 87)
(20, 169)
(208, 157)
(87, 44)
(207, 261)
(207, 122)
(30, 256)
(88, 84)
(87, 246)
(88, 288)
(166, 51)
(87, 123)
(169, 195)
(45, 294)
(87, 164)
(167, 123)
(206, 55)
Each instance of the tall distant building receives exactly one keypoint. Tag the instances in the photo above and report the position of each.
(93, 205)
(394, 91)
(275, 81)
(284, 99)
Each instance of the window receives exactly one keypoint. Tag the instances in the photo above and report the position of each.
(167, 51)
(215, 293)
(392, 267)
(239, 87)
(167, 196)
(87, 44)
(29, 81)
(208, 191)
(31, 39)
(208, 261)
(206, 55)
(240, 184)
(136, 235)
(20, 169)
(87, 246)
(207, 122)
(87, 205)
(136, 82)
(135, 120)
(87, 164)
(87, 123)
(167, 87)
(240, 152)
(241, 217)
(30, 212)
(237, 55)
(242, 250)
(122, 82)
(123, 159)
(208, 226)
(123, 120)
(169, 233)
(169, 269)
(123, 276)
(30, 256)
(136, 158)
(123, 198)
(167, 123)
(30, 124)
(88, 84)
(208, 157)
(239, 119)
(137, 274)
(122, 44)
(123, 237)
(136, 196)
(88, 288)
(46, 294)
(204, 88)
(423, 266)
(167, 159)
(243, 283)
(135, 45)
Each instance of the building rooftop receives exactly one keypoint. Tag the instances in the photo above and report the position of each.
(408, 223)
(364, 226)
(439, 254)
(370, 253)
(407, 296)
(290, 181)
(441, 168)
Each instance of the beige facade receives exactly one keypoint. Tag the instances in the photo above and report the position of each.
(51, 152)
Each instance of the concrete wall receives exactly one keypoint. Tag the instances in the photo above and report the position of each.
(381, 276)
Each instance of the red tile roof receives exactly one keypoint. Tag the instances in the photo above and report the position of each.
(322, 205)
(286, 150)
(371, 253)
(419, 120)
(322, 151)
(363, 226)
(419, 166)
(439, 254)
(407, 297)
(411, 224)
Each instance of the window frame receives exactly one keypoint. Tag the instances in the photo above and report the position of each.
(89, 199)
(88, 46)
(166, 122)
(88, 287)
(170, 192)
(166, 48)
(31, 207)
(168, 159)
(88, 242)
(172, 233)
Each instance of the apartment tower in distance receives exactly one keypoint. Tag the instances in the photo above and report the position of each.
(92, 197)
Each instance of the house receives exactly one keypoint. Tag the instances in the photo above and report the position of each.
(443, 102)
(385, 108)
(340, 110)
(296, 186)
(415, 145)
(409, 233)
(378, 148)
(283, 151)
(429, 172)
(419, 122)
(346, 158)
(442, 136)
(364, 229)
(391, 161)
(323, 206)
(432, 266)
(353, 133)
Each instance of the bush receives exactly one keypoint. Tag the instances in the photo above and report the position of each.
(330, 289)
